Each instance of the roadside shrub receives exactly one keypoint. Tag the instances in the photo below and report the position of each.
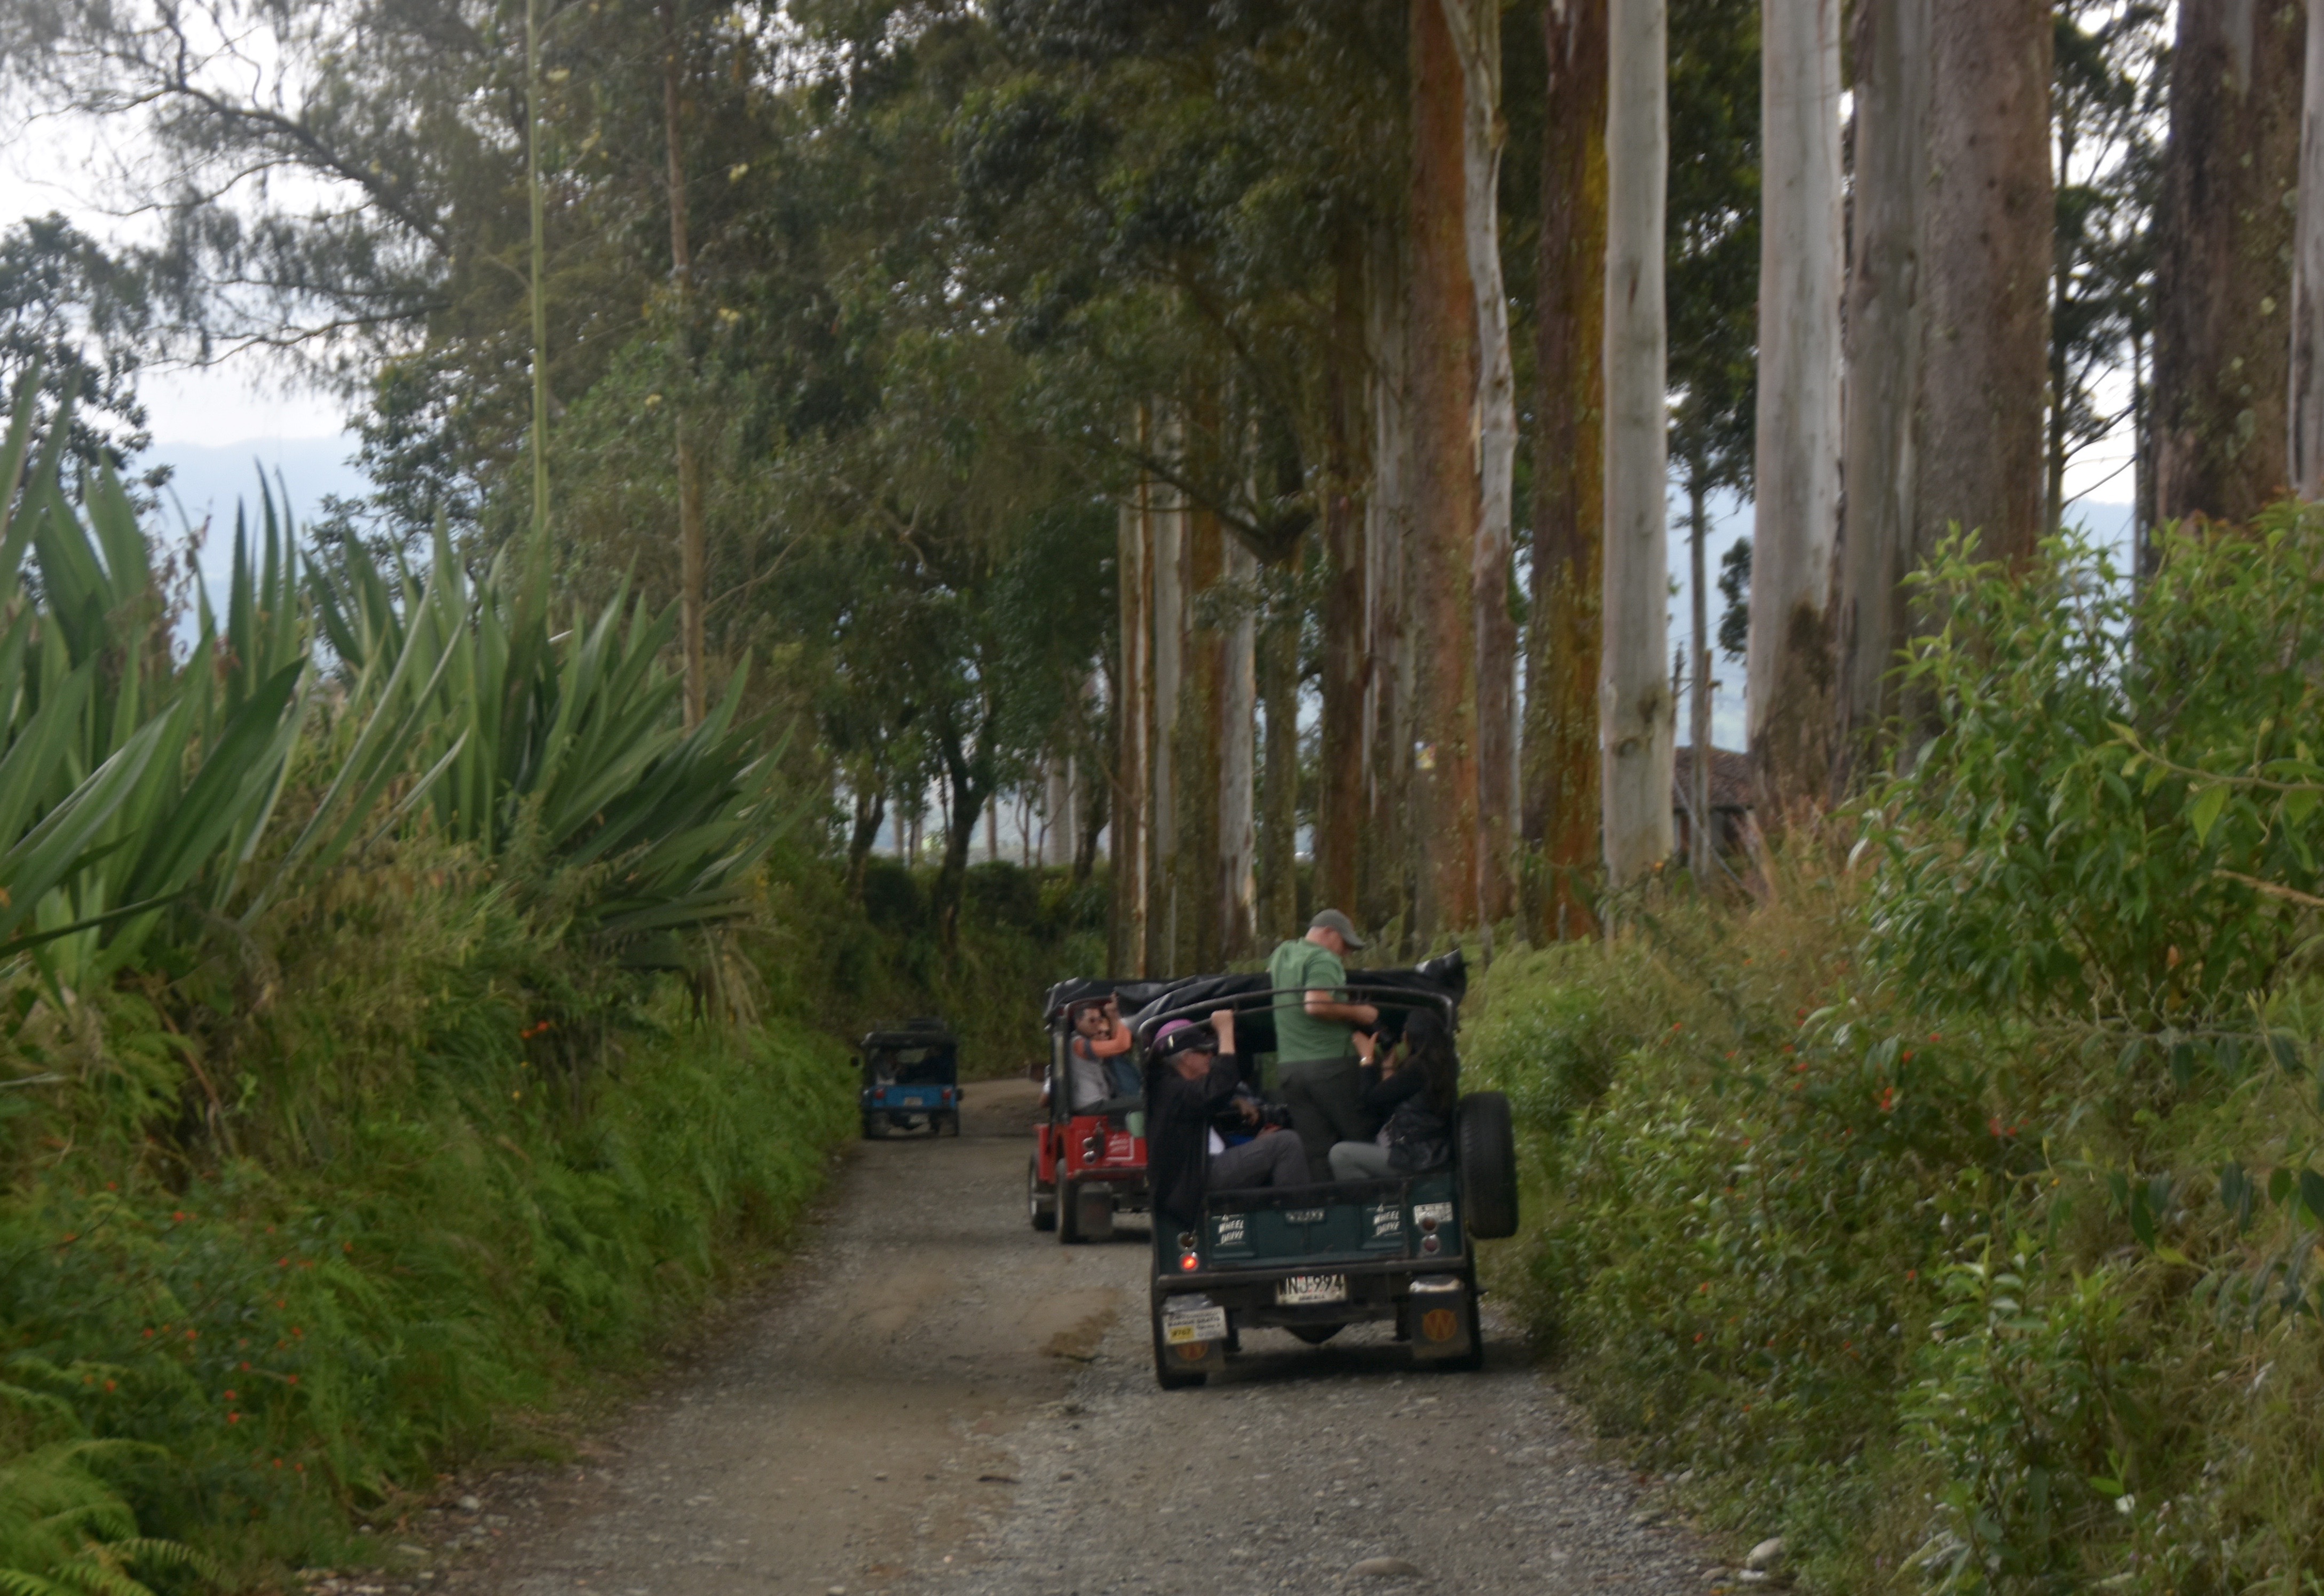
(2086, 832)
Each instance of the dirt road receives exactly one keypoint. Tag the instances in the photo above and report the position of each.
(936, 1399)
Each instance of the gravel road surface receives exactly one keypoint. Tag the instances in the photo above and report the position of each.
(933, 1399)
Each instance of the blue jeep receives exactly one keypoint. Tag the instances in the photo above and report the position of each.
(911, 1080)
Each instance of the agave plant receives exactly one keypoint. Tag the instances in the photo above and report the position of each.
(566, 741)
(130, 780)
(135, 782)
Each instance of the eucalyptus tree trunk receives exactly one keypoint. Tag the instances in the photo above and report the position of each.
(1390, 687)
(1235, 731)
(1057, 806)
(1279, 785)
(1475, 28)
(1133, 717)
(1169, 557)
(1988, 239)
(1446, 498)
(691, 557)
(1879, 454)
(1560, 795)
(1699, 839)
(2305, 407)
(2224, 237)
(1787, 696)
(536, 300)
(1197, 942)
(1635, 702)
(1342, 751)
(870, 805)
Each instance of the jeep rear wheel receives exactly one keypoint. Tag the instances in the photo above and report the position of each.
(1041, 1204)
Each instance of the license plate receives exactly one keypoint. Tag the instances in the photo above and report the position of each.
(1183, 1325)
(1300, 1290)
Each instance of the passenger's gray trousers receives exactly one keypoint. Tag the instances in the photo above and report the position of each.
(1359, 1160)
(1274, 1159)
(1327, 1100)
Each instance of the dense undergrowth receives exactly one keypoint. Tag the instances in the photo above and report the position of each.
(1952, 1211)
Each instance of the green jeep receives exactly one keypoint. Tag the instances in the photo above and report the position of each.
(1314, 1259)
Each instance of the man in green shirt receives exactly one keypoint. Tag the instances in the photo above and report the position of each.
(1316, 1072)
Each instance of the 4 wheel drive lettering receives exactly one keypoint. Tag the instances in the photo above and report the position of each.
(1229, 1229)
(1388, 1219)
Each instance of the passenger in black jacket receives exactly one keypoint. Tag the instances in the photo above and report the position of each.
(1196, 1075)
(1417, 1099)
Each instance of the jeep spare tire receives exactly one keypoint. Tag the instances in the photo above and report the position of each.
(1489, 1165)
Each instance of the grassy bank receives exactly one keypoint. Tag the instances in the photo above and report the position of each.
(269, 1261)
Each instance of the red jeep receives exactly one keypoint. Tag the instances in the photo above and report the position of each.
(1089, 1147)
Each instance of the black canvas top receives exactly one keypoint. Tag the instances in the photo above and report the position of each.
(1440, 983)
(1133, 994)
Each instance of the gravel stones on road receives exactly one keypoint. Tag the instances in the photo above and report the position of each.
(1326, 1468)
(938, 1401)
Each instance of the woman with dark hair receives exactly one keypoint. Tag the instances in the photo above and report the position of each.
(1415, 1096)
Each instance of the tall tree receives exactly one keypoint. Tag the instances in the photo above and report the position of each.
(1446, 490)
(84, 318)
(1788, 695)
(1475, 26)
(1388, 888)
(1989, 240)
(1343, 753)
(692, 557)
(1561, 785)
(1636, 702)
(2224, 239)
(1880, 455)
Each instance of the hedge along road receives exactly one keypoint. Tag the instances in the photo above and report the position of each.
(934, 1397)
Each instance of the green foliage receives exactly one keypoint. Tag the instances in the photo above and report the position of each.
(2095, 824)
(2028, 1385)
(1954, 1214)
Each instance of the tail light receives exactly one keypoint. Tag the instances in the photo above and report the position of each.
(1188, 1259)
(1092, 1148)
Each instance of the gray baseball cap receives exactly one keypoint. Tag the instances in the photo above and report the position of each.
(1332, 919)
